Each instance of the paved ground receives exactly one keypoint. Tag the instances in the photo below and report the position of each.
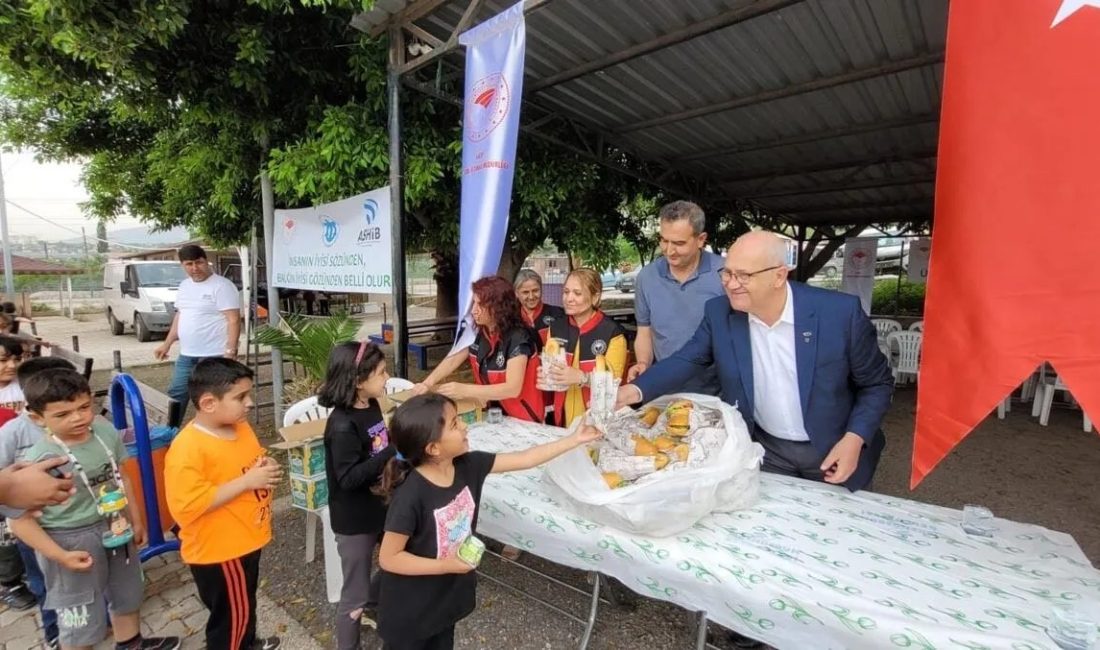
(171, 608)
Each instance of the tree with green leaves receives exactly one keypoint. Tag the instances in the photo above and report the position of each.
(177, 106)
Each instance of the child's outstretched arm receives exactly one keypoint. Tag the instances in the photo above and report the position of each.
(536, 456)
(393, 557)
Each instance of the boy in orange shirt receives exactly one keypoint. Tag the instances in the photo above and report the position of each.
(219, 484)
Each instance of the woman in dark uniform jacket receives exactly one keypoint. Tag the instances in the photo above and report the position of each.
(537, 314)
(504, 357)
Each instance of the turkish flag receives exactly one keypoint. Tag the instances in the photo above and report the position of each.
(1014, 278)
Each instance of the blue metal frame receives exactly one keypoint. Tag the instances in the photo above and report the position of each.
(124, 393)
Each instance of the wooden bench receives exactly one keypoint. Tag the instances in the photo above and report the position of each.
(83, 364)
(430, 327)
(159, 408)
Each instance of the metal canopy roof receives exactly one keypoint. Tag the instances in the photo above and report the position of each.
(817, 111)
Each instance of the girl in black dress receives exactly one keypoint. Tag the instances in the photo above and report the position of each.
(434, 486)
(357, 447)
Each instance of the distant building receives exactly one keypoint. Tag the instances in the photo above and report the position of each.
(225, 261)
(552, 267)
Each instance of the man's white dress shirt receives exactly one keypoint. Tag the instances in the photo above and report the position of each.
(777, 407)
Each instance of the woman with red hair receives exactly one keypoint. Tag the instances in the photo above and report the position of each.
(504, 357)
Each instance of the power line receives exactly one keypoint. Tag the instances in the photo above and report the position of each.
(77, 232)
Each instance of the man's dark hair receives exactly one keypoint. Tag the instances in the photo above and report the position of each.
(36, 365)
(8, 307)
(191, 252)
(54, 385)
(215, 376)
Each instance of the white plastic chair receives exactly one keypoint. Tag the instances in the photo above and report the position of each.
(397, 384)
(884, 327)
(917, 327)
(906, 363)
(307, 410)
(1044, 400)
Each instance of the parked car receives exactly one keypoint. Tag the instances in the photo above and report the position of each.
(609, 277)
(141, 294)
(835, 266)
(625, 283)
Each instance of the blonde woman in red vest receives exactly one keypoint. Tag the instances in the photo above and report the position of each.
(587, 333)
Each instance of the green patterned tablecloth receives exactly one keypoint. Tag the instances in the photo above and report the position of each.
(812, 565)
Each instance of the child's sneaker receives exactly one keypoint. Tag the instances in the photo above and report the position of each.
(270, 643)
(17, 597)
(160, 643)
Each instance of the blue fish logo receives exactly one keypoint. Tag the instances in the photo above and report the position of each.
(330, 230)
(370, 210)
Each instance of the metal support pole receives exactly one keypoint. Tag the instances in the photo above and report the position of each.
(69, 290)
(897, 291)
(267, 196)
(803, 255)
(9, 278)
(397, 208)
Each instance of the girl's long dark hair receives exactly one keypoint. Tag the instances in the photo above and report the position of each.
(343, 375)
(416, 424)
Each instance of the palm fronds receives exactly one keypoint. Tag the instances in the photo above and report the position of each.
(308, 341)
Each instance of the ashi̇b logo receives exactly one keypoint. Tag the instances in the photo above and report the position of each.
(370, 211)
(487, 106)
(372, 234)
(330, 230)
(288, 229)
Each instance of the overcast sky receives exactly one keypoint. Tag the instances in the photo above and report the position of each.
(52, 191)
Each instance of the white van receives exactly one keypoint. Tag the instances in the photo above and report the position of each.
(142, 295)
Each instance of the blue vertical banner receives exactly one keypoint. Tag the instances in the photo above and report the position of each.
(495, 52)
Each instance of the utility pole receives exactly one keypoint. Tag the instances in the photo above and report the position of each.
(9, 279)
(46, 250)
(85, 236)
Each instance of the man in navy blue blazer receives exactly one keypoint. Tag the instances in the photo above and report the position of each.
(802, 365)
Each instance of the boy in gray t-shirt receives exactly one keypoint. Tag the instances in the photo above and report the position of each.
(86, 546)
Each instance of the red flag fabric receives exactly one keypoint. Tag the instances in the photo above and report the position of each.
(1014, 278)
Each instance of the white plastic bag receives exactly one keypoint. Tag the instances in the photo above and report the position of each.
(667, 502)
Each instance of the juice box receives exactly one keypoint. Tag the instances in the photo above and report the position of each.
(471, 551)
(309, 493)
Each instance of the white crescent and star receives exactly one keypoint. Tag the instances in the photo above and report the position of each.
(1070, 7)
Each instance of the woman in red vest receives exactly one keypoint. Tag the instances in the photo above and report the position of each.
(504, 357)
(537, 314)
(587, 333)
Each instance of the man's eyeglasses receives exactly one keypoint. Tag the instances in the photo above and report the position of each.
(742, 277)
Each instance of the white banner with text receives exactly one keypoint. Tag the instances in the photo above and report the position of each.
(338, 247)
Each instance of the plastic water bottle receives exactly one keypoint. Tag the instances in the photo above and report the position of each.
(978, 520)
